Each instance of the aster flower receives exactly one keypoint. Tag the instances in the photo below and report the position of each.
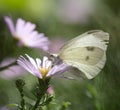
(11, 72)
(50, 90)
(41, 68)
(26, 34)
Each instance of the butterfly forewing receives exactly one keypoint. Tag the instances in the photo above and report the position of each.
(84, 55)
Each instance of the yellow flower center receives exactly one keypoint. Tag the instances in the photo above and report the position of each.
(44, 71)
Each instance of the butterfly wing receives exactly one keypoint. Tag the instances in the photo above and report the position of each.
(86, 52)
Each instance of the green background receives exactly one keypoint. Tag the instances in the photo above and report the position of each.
(100, 93)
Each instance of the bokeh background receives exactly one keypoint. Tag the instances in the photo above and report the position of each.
(61, 20)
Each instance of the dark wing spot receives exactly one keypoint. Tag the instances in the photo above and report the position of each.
(87, 58)
(90, 48)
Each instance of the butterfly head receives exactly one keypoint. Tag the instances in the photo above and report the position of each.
(55, 59)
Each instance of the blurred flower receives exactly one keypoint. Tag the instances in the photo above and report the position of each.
(26, 34)
(74, 11)
(4, 108)
(50, 90)
(11, 72)
(56, 44)
(41, 68)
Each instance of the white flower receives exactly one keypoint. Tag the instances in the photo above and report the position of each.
(41, 68)
(26, 34)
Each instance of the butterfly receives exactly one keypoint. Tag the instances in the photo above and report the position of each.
(86, 53)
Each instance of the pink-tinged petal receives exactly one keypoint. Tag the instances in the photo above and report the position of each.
(52, 71)
(31, 38)
(42, 68)
(26, 34)
(58, 69)
(36, 41)
(24, 29)
(26, 64)
(19, 27)
(29, 27)
(32, 61)
(50, 90)
(10, 24)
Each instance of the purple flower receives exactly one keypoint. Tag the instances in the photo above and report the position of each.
(26, 34)
(11, 72)
(50, 90)
(41, 68)
(80, 9)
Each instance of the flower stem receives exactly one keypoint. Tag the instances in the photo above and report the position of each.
(7, 66)
(23, 107)
(36, 104)
(19, 84)
(43, 86)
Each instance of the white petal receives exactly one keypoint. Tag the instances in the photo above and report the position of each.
(19, 27)
(48, 64)
(44, 62)
(38, 61)
(36, 41)
(32, 61)
(29, 27)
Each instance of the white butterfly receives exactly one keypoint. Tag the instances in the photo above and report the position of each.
(86, 53)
